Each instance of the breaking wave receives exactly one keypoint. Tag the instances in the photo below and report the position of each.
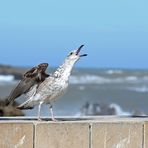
(119, 111)
(7, 78)
(95, 79)
(114, 71)
(96, 109)
(141, 89)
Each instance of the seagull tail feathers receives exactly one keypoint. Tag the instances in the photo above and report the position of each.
(25, 105)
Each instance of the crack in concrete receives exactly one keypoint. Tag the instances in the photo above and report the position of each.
(90, 135)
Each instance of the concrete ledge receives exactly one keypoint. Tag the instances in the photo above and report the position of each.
(16, 135)
(117, 135)
(62, 135)
(94, 132)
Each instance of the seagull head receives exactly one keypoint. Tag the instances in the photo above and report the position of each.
(75, 54)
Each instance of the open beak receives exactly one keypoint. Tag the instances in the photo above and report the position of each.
(78, 51)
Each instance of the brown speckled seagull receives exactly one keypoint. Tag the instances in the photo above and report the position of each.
(31, 78)
(53, 86)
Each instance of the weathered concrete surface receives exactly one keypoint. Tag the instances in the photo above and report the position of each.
(62, 135)
(16, 135)
(100, 132)
(117, 135)
(146, 135)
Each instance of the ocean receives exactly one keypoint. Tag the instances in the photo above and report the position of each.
(95, 92)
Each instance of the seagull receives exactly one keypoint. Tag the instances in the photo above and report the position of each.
(53, 86)
(31, 78)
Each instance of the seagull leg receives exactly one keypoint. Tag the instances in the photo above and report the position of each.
(39, 111)
(51, 111)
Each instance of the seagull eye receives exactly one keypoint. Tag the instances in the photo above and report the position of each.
(71, 53)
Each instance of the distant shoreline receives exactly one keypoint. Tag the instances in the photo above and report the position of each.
(11, 70)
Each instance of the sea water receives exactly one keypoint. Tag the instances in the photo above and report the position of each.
(96, 92)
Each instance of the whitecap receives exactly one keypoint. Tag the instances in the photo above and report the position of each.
(114, 71)
(119, 110)
(6, 78)
(131, 78)
(141, 89)
(88, 79)
(93, 109)
(95, 79)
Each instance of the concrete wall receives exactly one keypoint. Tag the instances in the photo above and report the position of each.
(103, 132)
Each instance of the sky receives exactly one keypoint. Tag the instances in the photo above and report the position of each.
(114, 32)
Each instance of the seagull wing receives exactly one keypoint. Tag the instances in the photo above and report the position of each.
(30, 73)
(24, 85)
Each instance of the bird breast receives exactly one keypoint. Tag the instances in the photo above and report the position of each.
(57, 91)
(51, 91)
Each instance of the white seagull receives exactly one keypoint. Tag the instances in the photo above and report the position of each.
(53, 86)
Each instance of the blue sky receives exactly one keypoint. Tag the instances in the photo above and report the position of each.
(115, 32)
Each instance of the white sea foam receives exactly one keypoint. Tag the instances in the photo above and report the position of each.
(93, 109)
(141, 89)
(88, 79)
(131, 78)
(119, 110)
(96, 79)
(6, 78)
(114, 71)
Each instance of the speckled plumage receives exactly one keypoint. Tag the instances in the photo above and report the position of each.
(55, 85)
(31, 80)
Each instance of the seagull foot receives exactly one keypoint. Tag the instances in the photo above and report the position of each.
(39, 119)
(54, 120)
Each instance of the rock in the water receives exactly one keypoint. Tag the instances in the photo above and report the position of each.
(10, 110)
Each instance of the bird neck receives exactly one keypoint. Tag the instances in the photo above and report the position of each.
(64, 70)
